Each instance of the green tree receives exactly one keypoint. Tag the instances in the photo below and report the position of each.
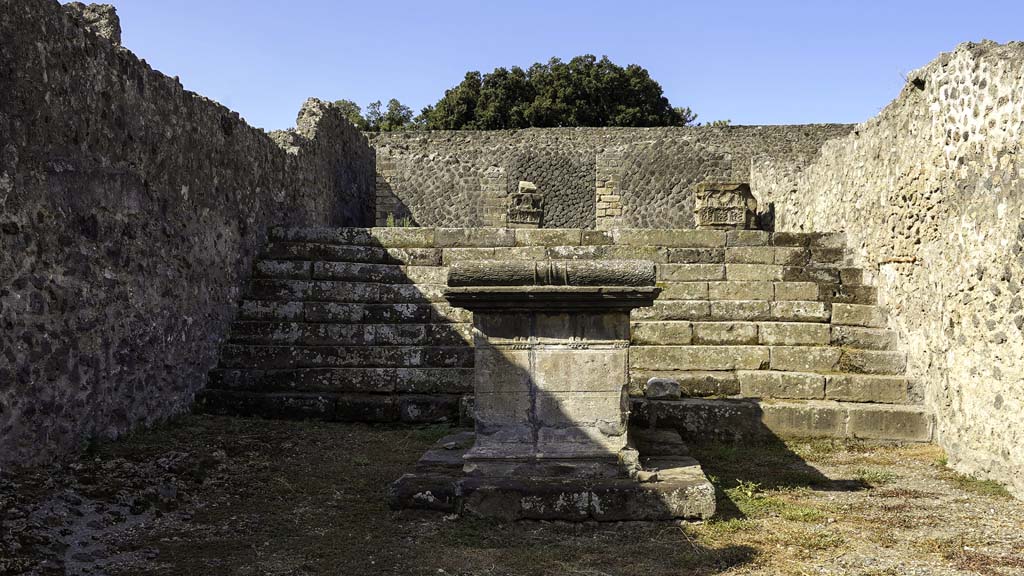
(586, 91)
(396, 116)
(352, 112)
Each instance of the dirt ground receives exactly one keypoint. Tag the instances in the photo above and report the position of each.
(227, 496)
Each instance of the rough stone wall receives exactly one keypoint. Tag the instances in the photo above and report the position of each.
(931, 196)
(436, 177)
(130, 211)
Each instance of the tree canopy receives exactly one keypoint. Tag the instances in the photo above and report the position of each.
(585, 91)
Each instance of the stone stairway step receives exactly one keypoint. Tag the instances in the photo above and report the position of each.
(692, 383)
(282, 269)
(724, 333)
(362, 254)
(344, 407)
(335, 312)
(785, 385)
(262, 357)
(734, 310)
(872, 362)
(848, 294)
(342, 291)
(824, 359)
(859, 315)
(417, 380)
(863, 338)
(748, 419)
(699, 357)
(868, 388)
(341, 334)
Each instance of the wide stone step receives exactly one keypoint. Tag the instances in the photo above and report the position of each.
(281, 357)
(747, 419)
(863, 338)
(692, 383)
(868, 388)
(859, 315)
(343, 291)
(668, 333)
(344, 407)
(831, 359)
(376, 380)
(336, 312)
(817, 359)
(734, 310)
(359, 254)
(699, 357)
(340, 334)
(352, 271)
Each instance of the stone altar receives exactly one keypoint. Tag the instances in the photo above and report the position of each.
(551, 435)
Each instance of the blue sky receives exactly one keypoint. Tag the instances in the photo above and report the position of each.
(753, 62)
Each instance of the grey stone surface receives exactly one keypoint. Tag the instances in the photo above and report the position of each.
(641, 177)
(931, 191)
(131, 212)
(662, 389)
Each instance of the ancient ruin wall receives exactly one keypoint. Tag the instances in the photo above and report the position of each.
(931, 195)
(130, 210)
(593, 177)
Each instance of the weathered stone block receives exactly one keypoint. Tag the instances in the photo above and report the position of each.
(890, 422)
(740, 310)
(282, 269)
(771, 384)
(811, 419)
(804, 358)
(864, 338)
(750, 255)
(395, 237)
(753, 272)
(696, 255)
(859, 315)
(422, 409)
(873, 361)
(692, 383)
(699, 357)
(867, 388)
(670, 238)
(787, 291)
(724, 333)
(747, 238)
(683, 291)
(800, 311)
(474, 237)
(548, 237)
(732, 290)
(674, 310)
(690, 272)
(662, 389)
(787, 256)
(601, 371)
(661, 333)
(794, 334)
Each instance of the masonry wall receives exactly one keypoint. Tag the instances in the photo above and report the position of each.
(130, 211)
(931, 196)
(593, 177)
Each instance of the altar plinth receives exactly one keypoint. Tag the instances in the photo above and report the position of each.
(551, 408)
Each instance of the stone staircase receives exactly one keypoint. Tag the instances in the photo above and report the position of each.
(754, 333)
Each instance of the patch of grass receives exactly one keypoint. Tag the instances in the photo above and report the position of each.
(989, 488)
(874, 476)
(795, 513)
(963, 554)
(817, 540)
